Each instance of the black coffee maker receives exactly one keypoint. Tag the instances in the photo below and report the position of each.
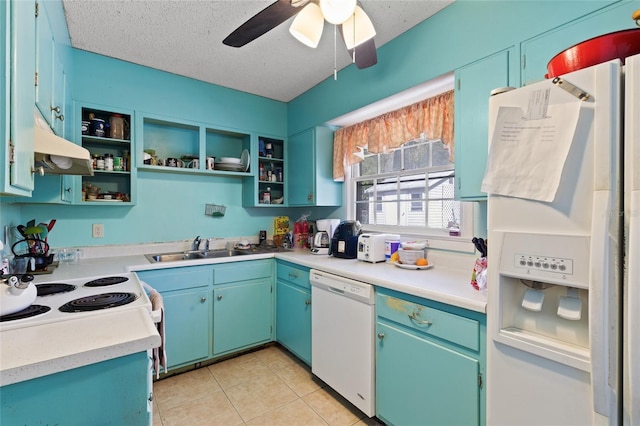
(344, 243)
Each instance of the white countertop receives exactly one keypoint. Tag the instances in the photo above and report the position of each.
(442, 283)
(448, 281)
(33, 352)
(38, 351)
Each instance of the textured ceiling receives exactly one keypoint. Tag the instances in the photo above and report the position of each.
(185, 37)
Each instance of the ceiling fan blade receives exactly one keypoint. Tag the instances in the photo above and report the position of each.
(366, 55)
(365, 52)
(262, 22)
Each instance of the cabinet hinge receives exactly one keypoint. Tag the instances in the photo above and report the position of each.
(271, 289)
(12, 153)
(458, 83)
(37, 9)
(480, 380)
(36, 79)
(524, 61)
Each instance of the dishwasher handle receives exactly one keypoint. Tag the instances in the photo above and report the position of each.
(335, 290)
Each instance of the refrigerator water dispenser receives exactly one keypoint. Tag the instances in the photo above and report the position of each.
(543, 286)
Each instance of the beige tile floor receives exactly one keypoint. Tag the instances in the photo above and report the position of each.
(266, 387)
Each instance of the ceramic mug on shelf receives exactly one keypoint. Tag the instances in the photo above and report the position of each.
(194, 164)
(210, 162)
(174, 162)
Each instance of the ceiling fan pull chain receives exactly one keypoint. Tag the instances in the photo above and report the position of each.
(335, 61)
(353, 57)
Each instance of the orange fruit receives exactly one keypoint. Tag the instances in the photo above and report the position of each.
(422, 262)
(395, 257)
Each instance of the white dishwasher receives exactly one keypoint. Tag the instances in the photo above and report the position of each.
(342, 337)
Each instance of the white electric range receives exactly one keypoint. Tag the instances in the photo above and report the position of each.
(77, 298)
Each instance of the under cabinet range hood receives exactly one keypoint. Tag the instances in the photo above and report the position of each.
(57, 156)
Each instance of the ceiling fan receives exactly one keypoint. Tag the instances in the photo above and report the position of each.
(355, 27)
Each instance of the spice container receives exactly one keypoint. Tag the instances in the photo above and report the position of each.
(126, 160)
(108, 162)
(117, 164)
(100, 163)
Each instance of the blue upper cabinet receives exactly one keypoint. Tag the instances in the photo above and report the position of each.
(50, 73)
(310, 174)
(18, 70)
(45, 47)
(474, 83)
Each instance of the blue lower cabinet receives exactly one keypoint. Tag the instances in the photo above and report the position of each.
(293, 319)
(242, 315)
(187, 306)
(186, 326)
(293, 309)
(113, 392)
(430, 362)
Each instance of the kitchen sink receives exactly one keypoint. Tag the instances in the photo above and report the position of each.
(212, 254)
(192, 255)
(173, 257)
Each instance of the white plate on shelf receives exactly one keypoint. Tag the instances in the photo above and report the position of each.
(102, 200)
(231, 160)
(245, 159)
(229, 167)
(414, 267)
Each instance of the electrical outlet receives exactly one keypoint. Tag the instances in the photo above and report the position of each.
(98, 230)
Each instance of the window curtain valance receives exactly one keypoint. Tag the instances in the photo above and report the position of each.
(433, 117)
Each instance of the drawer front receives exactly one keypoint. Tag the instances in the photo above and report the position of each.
(429, 321)
(242, 271)
(298, 275)
(177, 278)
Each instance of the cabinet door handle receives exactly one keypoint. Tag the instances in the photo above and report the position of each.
(219, 297)
(412, 317)
(55, 109)
(60, 117)
(203, 299)
(67, 190)
(380, 336)
(307, 302)
(293, 275)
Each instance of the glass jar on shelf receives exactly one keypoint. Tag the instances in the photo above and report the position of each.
(116, 126)
(108, 162)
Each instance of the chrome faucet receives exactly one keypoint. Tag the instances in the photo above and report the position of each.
(195, 245)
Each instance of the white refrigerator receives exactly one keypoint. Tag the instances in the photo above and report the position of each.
(563, 314)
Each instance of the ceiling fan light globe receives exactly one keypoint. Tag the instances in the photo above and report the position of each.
(337, 11)
(308, 25)
(357, 29)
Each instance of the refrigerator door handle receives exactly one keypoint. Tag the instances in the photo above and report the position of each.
(632, 312)
(599, 300)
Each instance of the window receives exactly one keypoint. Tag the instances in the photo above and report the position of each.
(411, 187)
